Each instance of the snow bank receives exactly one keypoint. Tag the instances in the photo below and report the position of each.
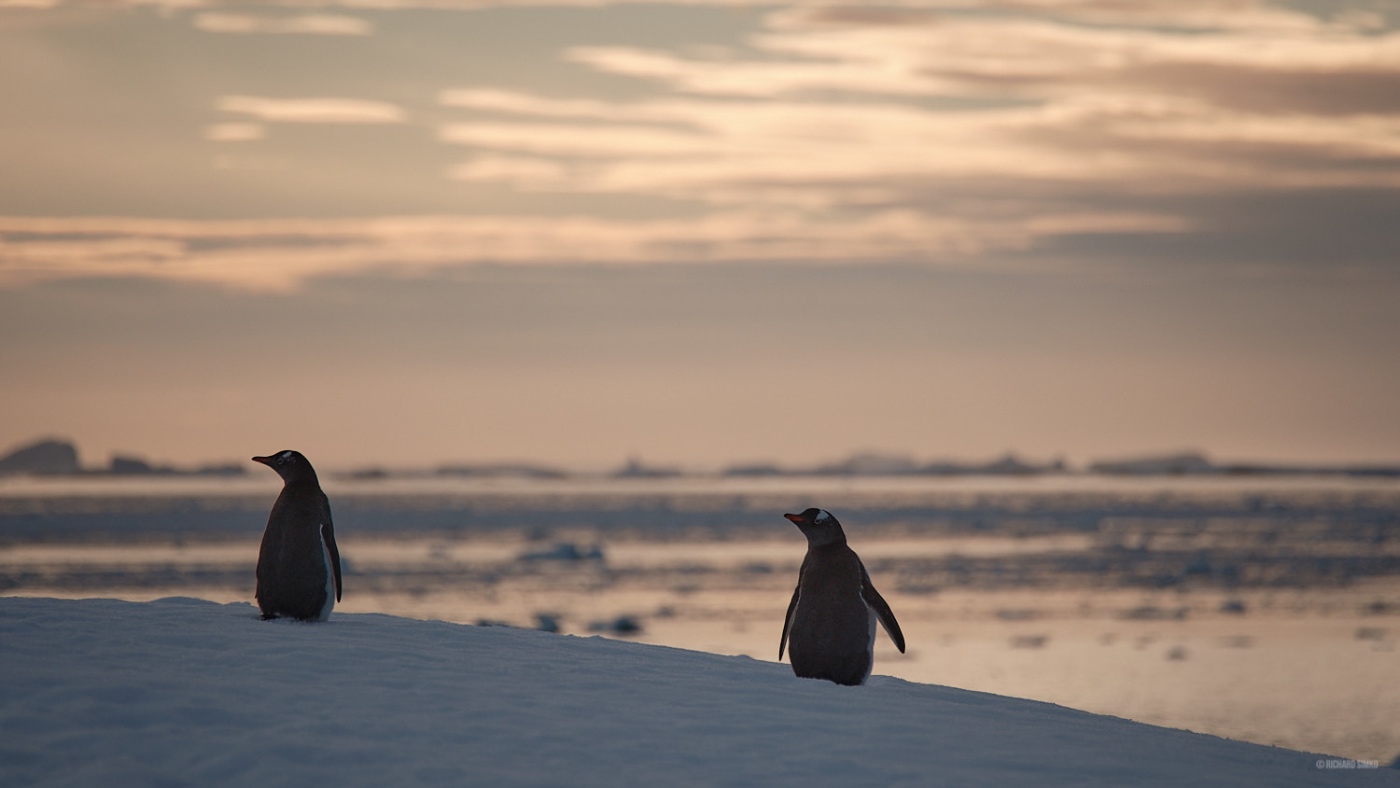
(181, 691)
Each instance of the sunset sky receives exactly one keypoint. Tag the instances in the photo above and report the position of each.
(408, 232)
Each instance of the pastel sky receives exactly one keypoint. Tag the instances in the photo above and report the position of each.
(409, 232)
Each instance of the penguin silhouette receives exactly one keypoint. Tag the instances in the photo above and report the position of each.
(831, 618)
(298, 563)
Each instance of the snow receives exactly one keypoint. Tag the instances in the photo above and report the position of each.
(183, 691)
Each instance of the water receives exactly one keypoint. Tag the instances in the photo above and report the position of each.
(1256, 608)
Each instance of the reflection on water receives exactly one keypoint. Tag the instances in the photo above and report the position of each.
(1267, 610)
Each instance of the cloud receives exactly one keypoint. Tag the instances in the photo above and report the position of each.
(614, 140)
(930, 132)
(1267, 92)
(1190, 16)
(313, 110)
(522, 172)
(1003, 128)
(805, 49)
(281, 254)
(701, 148)
(234, 132)
(512, 103)
(1183, 14)
(764, 78)
(387, 5)
(305, 24)
(842, 102)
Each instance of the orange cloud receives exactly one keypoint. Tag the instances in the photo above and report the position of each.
(234, 132)
(304, 24)
(313, 110)
(838, 101)
(281, 254)
(714, 149)
(913, 131)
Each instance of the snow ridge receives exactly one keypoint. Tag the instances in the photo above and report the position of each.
(187, 691)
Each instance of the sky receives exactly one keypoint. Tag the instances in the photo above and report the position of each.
(411, 232)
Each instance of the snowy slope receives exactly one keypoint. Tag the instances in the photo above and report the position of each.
(102, 692)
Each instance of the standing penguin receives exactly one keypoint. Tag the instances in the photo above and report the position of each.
(298, 563)
(831, 618)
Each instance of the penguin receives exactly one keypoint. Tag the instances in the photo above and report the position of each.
(831, 618)
(298, 563)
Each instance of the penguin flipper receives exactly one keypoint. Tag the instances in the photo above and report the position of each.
(787, 620)
(328, 537)
(882, 610)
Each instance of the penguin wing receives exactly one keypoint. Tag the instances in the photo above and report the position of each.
(881, 608)
(328, 536)
(787, 621)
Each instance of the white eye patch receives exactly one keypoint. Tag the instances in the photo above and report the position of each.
(822, 516)
(286, 455)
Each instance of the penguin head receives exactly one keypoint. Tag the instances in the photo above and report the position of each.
(290, 465)
(819, 526)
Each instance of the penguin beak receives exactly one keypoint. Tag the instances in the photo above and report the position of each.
(264, 460)
(795, 518)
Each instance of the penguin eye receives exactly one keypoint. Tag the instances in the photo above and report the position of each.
(822, 516)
